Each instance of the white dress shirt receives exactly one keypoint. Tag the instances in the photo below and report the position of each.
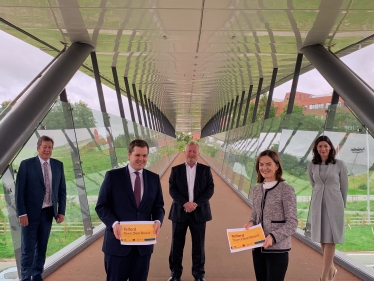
(191, 175)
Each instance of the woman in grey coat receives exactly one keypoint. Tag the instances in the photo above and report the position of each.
(274, 206)
(329, 180)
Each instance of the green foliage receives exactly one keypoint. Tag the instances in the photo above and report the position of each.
(121, 142)
(186, 137)
(6, 243)
(4, 104)
(181, 145)
(59, 117)
(83, 116)
(345, 121)
(210, 150)
(294, 167)
(296, 109)
(261, 109)
(357, 238)
(275, 147)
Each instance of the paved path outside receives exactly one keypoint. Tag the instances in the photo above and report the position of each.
(229, 211)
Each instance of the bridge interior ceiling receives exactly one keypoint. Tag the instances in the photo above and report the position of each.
(192, 57)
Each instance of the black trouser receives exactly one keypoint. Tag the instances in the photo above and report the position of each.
(269, 266)
(132, 267)
(197, 230)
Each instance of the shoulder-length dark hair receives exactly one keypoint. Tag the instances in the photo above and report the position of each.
(317, 158)
(275, 157)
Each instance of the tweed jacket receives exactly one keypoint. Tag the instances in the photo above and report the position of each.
(276, 209)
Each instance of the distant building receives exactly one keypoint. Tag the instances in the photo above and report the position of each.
(312, 104)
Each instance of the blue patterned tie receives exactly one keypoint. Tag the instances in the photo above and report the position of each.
(137, 189)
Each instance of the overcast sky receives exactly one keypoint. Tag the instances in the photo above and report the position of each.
(21, 62)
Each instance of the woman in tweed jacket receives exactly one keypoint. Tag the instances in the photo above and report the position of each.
(329, 180)
(274, 206)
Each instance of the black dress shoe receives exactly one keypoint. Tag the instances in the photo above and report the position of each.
(174, 279)
(200, 279)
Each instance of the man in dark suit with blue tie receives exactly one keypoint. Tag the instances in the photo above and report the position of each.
(131, 193)
(191, 186)
(40, 197)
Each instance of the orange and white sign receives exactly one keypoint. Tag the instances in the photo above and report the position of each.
(137, 233)
(241, 239)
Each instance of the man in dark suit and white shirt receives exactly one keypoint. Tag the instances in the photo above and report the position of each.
(191, 186)
(131, 193)
(40, 197)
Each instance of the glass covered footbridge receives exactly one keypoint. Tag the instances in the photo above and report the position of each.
(239, 76)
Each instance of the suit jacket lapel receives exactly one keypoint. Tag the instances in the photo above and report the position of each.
(38, 168)
(54, 173)
(197, 177)
(316, 171)
(128, 185)
(146, 189)
(183, 174)
(329, 167)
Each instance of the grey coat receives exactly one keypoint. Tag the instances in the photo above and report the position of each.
(279, 217)
(333, 190)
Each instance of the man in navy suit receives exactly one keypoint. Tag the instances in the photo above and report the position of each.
(191, 186)
(40, 197)
(123, 198)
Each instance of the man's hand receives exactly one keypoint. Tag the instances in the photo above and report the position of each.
(157, 228)
(248, 225)
(60, 218)
(190, 207)
(268, 241)
(117, 231)
(24, 220)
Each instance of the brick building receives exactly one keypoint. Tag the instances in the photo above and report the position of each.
(312, 104)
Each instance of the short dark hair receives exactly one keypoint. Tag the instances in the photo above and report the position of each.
(317, 158)
(44, 138)
(275, 157)
(139, 143)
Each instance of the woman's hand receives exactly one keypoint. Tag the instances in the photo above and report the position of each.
(268, 241)
(248, 225)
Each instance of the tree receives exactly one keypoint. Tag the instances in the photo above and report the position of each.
(4, 104)
(82, 116)
(297, 120)
(345, 120)
(262, 108)
(296, 109)
(262, 103)
(184, 137)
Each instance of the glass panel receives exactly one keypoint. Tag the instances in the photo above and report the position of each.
(89, 146)
(121, 138)
(57, 125)
(212, 149)
(10, 238)
(294, 143)
(94, 149)
(355, 147)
